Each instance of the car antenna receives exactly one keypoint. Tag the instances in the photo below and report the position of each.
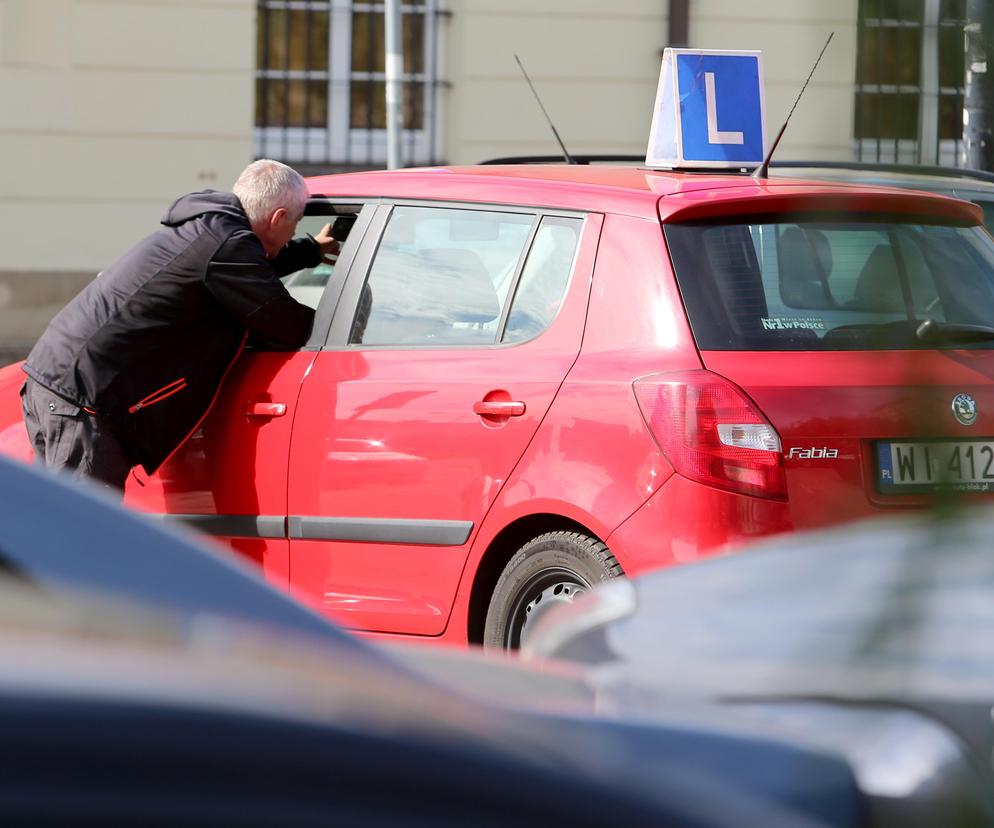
(569, 158)
(763, 170)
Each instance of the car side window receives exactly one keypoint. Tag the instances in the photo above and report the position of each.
(440, 276)
(544, 278)
(307, 285)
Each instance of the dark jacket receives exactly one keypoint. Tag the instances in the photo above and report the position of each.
(146, 344)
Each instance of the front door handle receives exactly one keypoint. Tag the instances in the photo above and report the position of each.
(499, 408)
(265, 409)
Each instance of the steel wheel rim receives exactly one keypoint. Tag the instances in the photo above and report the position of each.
(537, 596)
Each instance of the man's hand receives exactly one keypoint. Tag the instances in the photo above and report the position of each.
(330, 248)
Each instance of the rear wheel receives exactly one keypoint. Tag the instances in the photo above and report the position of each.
(551, 569)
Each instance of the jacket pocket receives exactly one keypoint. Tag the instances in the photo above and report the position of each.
(158, 396)
(63, 408)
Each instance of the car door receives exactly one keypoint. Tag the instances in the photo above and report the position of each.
(229, 479)
(431, 386)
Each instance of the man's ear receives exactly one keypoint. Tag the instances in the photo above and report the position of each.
(278, 217)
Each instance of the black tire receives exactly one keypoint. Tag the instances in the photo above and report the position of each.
(549, 569)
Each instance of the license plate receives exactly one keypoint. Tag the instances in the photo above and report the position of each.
(910, 468)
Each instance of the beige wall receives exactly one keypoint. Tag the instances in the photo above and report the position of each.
(791, 33)
(596, 65)
(111, 108)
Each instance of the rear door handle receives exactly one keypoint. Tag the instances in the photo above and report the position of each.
(499, 408)
(265, 409)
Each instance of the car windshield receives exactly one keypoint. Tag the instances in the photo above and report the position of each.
(833, 285)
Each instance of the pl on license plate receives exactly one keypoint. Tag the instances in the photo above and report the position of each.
(911, 468)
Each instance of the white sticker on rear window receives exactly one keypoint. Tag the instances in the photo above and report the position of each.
(793, 323)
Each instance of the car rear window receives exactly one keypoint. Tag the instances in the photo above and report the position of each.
(822, 285)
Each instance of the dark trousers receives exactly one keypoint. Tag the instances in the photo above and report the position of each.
(69, 439)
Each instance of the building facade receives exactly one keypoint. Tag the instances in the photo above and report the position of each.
(320, 77)
(115, 107)
(908, 105)
(111, 109)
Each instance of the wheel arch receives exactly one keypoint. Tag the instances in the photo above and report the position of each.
(500, 550)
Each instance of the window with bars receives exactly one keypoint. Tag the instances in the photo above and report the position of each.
(909, 81)
(321, 82)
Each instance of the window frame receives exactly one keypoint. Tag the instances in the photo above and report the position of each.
(338, 142)
(926, 147)
(331, 298)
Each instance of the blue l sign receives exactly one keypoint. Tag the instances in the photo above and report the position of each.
(719, 120)
(721, 107)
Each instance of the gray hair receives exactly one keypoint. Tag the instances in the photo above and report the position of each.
(266, 185)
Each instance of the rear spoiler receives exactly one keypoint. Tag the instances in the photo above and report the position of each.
(831, 203)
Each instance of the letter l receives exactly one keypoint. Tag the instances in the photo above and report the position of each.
(716, 136)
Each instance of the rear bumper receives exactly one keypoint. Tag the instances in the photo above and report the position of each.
(686, 521)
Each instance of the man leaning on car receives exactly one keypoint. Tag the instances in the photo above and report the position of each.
(129, 368)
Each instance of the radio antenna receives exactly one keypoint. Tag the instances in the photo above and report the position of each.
(569, 158)
(763, 170)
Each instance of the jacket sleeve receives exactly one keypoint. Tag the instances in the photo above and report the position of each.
(247, 286)
(298, 254)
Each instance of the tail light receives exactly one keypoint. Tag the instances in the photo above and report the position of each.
(712, 432)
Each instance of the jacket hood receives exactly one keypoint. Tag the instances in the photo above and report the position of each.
(200, 203)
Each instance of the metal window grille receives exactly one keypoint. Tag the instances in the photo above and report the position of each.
(909, 81)
(320, 83)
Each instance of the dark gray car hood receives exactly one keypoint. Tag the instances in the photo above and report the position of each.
(891, 609)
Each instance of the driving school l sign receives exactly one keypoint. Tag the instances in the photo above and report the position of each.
(710, 110)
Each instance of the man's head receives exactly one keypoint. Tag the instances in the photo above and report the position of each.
(273, 196)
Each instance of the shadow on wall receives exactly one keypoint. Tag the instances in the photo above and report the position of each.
(28, 301)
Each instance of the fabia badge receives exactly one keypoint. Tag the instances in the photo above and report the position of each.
(965, 409)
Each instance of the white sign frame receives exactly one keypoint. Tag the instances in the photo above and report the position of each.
(665, 148)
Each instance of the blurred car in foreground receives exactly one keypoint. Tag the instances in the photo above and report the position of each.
(143, 702)
(523, 381)
(874, 641)
(142, 691)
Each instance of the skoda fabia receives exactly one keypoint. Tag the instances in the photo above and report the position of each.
(525, 380)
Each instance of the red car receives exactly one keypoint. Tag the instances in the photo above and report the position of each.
(525, 380)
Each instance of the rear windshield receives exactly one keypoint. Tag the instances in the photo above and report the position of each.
(817, 286)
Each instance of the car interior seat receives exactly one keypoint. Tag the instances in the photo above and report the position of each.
(732, 262)
(878, 287)
(805, 257)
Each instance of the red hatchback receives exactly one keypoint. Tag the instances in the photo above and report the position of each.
(525, 380)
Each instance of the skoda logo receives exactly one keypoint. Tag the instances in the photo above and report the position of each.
(965, 409)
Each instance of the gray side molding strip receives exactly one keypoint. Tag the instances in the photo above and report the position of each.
(368, 530)
(233, 526)
(381, 530)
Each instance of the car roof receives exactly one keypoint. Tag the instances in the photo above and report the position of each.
(636, 191)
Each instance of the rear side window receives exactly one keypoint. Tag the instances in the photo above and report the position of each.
(544, 278)
(793, 286)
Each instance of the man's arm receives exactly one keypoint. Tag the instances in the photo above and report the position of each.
(298, 254)
(247, 286)
(309, 251)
